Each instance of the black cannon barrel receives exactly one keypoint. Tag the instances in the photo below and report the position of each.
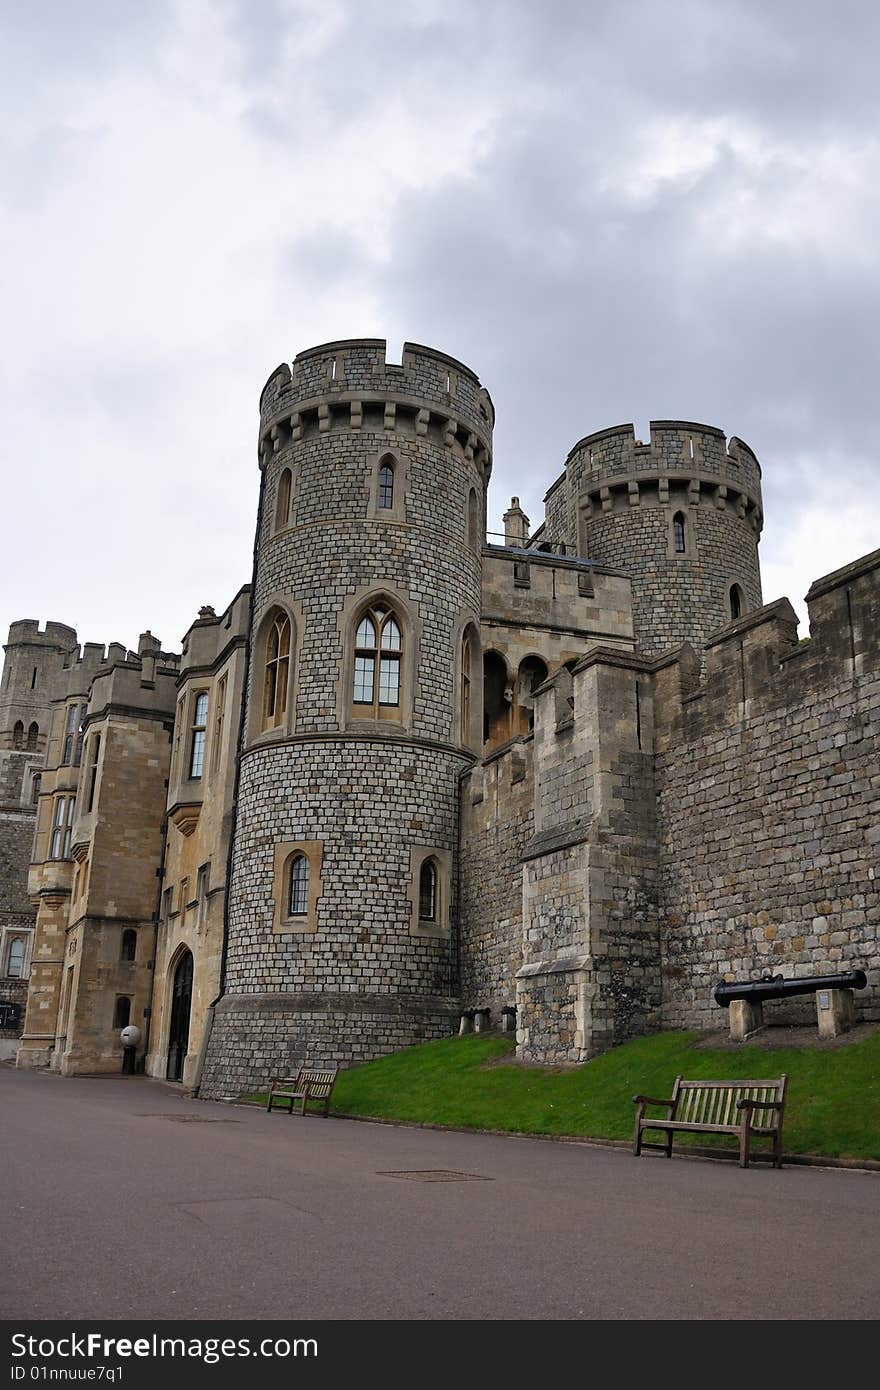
(776, 987)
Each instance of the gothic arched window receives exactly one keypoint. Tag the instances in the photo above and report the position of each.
(33, 735)
(386, 484)
(18, 734)
(277, 670)
(378, 650)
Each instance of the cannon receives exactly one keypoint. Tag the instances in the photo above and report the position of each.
(777, 987)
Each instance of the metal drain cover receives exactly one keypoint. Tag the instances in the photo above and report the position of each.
(434, 1175)
(192, 1119)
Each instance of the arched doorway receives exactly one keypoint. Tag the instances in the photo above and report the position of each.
(497, 697)
(178, 1033)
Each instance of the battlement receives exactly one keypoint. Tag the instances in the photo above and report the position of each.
(349, 384)
(675, 449)
(757, 664)
(28, 630)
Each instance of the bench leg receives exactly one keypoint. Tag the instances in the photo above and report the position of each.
(670, 1135)
(744, 1146)
(777, 1149)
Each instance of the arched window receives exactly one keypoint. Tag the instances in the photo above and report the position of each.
(378, 649)
(466, 664)
(736, 602)
(199, 727)
(473, 520)
(35, 787)
(18, 734)
(282, 504)
(122, 1012)
(129, 945)
(386, 484)
(298, 894)
(428, 891)
(678, 533)
(15, 964)
(277, 672)
(33, 735)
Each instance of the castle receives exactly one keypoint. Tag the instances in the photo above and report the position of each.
(573, 778)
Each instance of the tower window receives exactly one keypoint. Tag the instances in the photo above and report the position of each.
(62, 827)
(473, 520)
(378, 651)
(282, 505)
(298, 897)
(18, 734)
(33, 735)
(386, 485)
(466, 689)
(94, 754)
(428, 891)
(736, 602)
(129, 946)
(73, 736)
(277, 671)
(199, 726)
(678, 534)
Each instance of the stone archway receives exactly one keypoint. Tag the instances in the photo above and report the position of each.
(181, 1002)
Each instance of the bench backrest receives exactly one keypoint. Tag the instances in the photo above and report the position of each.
(715, 1102)
(320, 1083)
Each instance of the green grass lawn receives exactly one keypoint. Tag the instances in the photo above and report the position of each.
(833, 1105)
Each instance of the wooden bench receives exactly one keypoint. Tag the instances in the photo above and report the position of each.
(743, 1108)
(309, 1084)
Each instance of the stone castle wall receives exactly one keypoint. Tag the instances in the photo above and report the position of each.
(768, 792)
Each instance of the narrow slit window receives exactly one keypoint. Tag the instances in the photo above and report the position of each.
(428, 891)
(298, 902)
(386, 486)
(129, 944)
(282, 506)
(94, 754)
(678, 534)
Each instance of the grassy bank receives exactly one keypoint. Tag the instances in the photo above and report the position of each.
(833, 1103)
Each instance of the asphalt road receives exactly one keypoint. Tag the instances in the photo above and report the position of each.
(123, 1199)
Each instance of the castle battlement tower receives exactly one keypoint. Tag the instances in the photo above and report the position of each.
(682, 514)
(364, 706)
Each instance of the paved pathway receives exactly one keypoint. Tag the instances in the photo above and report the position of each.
(123, 1198)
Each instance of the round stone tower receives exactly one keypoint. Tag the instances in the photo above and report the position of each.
(364, 707)
(682, 514)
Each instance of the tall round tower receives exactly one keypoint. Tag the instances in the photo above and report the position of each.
(363, 708)
(682, 514)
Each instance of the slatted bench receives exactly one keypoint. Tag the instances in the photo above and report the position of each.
(309, 1084)
(744, 1108)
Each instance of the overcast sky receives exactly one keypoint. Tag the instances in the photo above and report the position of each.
(611, 211)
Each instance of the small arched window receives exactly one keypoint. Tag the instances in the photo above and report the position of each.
(386, 484)
(18, 734)
(736, 602)
(377, 656)
(473, 520)
(129, 944)
(298, 895)
(277, 672)
(428, 891)
(122, 1012)
(282, 504)
(15, 964)
(678, 533)
(33, 735)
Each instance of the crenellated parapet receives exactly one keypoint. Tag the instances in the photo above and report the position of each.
(611, 470)
(757, 664)
(349, 386)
